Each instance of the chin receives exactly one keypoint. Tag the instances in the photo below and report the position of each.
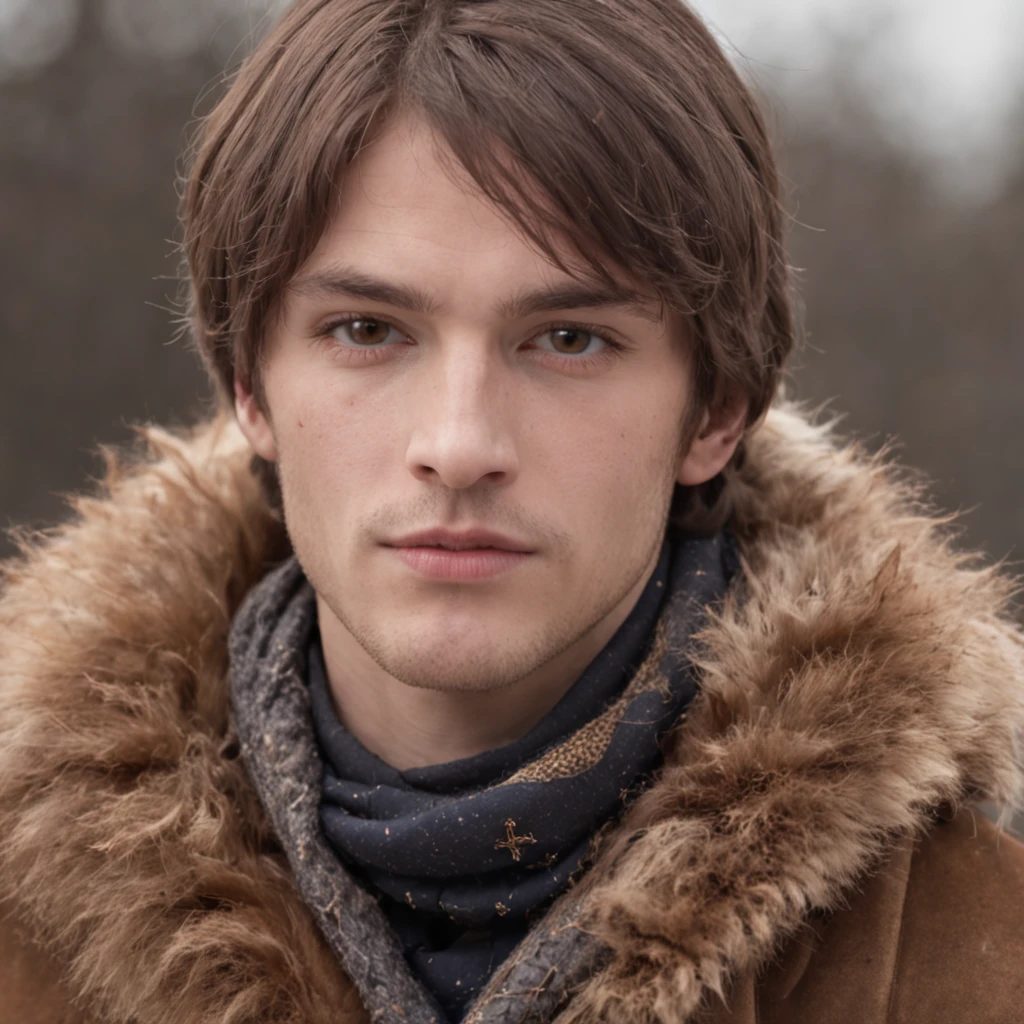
(453, 668)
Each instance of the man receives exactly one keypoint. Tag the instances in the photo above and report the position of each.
(504, 656)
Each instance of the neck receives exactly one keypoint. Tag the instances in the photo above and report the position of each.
(411, 727)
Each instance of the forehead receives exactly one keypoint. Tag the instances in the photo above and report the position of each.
(407, 210)
(404, 176)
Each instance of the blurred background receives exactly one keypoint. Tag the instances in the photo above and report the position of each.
(900, 125)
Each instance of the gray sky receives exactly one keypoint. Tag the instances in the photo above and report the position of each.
(950, 70)
(945, 71)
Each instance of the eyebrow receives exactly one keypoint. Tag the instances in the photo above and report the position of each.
(347, 282)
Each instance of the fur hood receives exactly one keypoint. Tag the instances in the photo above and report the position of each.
(866, 675)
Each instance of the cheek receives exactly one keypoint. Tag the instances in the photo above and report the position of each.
(626, 442)
(328, 428)
(332, 465)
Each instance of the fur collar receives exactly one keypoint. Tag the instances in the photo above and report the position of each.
(869, 674)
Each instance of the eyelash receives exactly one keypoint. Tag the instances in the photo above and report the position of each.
(368, 354)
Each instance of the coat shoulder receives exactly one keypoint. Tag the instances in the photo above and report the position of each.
(936, 934)
(962, 928)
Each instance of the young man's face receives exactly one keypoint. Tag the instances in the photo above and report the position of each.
(555, 428)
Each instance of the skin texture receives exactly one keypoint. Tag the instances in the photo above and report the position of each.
(463, 416)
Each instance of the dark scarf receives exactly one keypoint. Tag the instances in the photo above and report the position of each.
(463, 855)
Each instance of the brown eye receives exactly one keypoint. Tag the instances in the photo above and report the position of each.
(571, 341)
(365, 333)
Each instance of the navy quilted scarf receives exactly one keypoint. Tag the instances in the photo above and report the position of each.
(464, 856)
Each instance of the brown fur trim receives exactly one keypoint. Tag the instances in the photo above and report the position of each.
(131, 842)
(869, 673)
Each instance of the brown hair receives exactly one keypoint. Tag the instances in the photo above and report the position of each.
(624, 115)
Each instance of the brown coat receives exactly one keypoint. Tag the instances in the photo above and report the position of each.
(809, 854)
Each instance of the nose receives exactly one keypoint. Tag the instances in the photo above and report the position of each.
(462, 433)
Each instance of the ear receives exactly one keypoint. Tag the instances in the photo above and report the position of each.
(713, 447)
(254, 423)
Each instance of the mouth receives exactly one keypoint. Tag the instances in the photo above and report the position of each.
(460, 556)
